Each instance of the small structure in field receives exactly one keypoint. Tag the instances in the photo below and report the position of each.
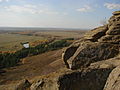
(25, 45)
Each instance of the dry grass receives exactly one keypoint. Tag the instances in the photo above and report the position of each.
(11, 42)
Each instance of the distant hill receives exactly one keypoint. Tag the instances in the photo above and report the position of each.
(36, 28)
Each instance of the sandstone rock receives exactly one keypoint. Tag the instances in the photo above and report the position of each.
(90, 78)
(113, 81)
(116, 13)
(37, 85)
(96, 33)
(48, 84)
(109, 63)
(68, 53)
(114, 30)
(23, 85)
(115, 39)
(92, 52)
(114, 20)
(98, 44)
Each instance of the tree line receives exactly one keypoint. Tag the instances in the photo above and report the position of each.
(12, 59)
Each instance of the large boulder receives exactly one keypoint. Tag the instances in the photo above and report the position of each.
(98, 44)
(96, 33)
(92, 52)
(114, 29)
(116, 13)
(91, 78)
(115, 39)
(113, 81)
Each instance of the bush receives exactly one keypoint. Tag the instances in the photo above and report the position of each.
(11, 59)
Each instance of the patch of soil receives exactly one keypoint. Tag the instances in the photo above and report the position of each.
(33, 66)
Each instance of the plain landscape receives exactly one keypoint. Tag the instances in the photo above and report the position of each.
(35, 65)
(59, 44)
(10, 40)
(63, 59)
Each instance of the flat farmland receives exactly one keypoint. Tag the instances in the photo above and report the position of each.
(12, 42)
(62, 34)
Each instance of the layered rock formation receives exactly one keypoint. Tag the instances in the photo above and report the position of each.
(92, 63)
(98, 44)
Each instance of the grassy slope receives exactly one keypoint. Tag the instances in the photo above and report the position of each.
(34, 66)
(12, 41)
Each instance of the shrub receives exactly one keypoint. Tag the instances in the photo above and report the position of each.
(11, 59)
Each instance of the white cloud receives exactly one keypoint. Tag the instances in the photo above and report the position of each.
(112, 6)
(4, 0)
(21, 9)
(65, 13)
(86, 8)
(32, 9)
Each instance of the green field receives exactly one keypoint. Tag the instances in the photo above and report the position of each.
(63, 34)
(12, 42)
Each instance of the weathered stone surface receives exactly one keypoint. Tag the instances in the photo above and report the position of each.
(115, 39)
(114, 30)
(23, 85)
(109, 63)
(113, 81)
(114, 19)
(96, 33)
(91, 78)
(68, 53)
(92, 52)
(37, 85)
(116, 13)
(99, 44)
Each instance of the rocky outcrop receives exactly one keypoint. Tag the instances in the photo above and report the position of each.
(91, 78)
(92, 52)
(96, 33)
(113, 81)
(93, 63)
(98, 44)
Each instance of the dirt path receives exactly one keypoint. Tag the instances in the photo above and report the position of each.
(34, 66)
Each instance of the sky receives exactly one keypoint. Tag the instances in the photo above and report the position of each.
(56, 13)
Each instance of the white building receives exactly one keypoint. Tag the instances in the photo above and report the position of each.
(26, 45)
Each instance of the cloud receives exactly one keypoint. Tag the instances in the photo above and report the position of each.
(112, 6)
(31, 9)
(4, 0)
(21, 9)
(65, 13)
(86, 8)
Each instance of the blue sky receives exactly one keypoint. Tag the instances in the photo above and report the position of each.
(56, 13)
